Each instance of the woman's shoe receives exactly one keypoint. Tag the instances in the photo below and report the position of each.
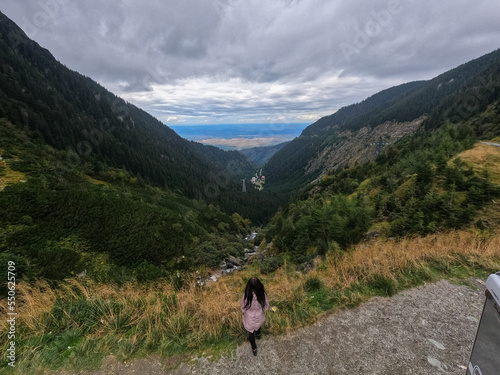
(257, 335)
(254, 351)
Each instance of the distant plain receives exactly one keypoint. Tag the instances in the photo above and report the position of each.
(239, 136)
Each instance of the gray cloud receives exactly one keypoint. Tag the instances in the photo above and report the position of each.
(256, 60)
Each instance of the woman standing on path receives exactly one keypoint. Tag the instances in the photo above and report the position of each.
(253, 305)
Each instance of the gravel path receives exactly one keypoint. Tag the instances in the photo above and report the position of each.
(425, 330)
(491, 144)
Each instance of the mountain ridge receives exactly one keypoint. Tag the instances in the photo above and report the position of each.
(261, 155)
(457, 95)
(96, 128)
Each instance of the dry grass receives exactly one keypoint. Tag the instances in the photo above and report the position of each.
(490, 214)
(392, 258)
(159, 318)
(484, 157)
(10, 177)
(95, 181)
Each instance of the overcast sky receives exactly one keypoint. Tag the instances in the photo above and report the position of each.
(231, 61)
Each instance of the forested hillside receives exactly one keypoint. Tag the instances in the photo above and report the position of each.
(261, 155)
(417, 187)
(112, 226)
(455, 96)
(90, 183)
(343, 116)
(98, 130)
(388, 166)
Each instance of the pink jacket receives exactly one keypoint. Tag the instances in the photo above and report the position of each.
(253, 316)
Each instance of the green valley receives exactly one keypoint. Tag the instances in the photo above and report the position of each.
(114, 223)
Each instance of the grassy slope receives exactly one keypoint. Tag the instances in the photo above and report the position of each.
(9, 176)
(483, 158)
(486, 158)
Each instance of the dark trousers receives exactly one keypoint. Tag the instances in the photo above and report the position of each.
(251, 338)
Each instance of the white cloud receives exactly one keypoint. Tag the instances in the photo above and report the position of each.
(249, 61)
(236, 98)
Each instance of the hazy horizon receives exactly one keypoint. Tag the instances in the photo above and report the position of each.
(240, 136)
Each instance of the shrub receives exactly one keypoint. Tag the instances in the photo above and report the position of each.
(270, 264)
(313, 284)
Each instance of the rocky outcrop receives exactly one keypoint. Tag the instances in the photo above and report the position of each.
(347, 148)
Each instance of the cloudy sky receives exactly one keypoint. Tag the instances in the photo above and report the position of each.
(263, 61)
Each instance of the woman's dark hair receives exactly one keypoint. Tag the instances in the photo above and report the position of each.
(254, 286)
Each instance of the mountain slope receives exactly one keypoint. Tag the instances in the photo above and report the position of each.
(261, 155)
(384, 98)
(391, 174)
(97, 129)
(57, 221)
(454, 96)
(419, 186)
